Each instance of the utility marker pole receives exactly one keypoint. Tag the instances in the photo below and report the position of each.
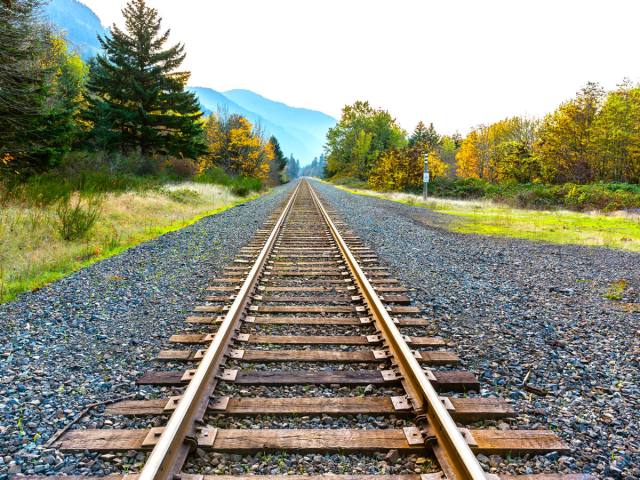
(425, 178)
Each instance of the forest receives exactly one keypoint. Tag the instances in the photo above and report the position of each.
(98, 156)
(124, 113)
(583, 155)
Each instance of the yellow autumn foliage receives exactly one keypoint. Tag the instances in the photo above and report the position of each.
(403, 169)
(236, 146)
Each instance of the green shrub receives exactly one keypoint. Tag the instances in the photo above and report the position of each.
(180, 168)
(240, 186)
(77, 215)
(214, 175)
(596, 196)
(183, 195)
(350, 182)
(463, 188)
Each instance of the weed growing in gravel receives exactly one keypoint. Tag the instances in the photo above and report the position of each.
(616, 290)
(20, 425)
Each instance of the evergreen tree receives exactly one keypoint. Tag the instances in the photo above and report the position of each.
(322, 166)
(279, 162)
(24, 43)
(138, 99)
(293, 168)
(424, 138)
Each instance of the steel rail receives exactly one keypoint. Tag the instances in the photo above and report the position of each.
(168, 455)
(452, 451)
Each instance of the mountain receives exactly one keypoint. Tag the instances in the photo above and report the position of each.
(80, 24)
(309, 125)
(211, 101)
(301, 132)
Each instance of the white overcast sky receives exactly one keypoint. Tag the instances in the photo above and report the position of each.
(456, 63)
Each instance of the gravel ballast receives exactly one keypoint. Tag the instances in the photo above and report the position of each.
(86, 338)
(514, 310)
(518, 310)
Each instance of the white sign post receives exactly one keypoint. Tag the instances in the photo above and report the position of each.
(425, 178)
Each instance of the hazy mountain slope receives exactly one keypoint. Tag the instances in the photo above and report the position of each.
(80, 24)
(211, 101)
(309, 124)
(300, 131)
(301, 144)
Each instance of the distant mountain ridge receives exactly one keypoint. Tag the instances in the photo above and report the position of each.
(308, 125)
(300, 131)
(80, 24)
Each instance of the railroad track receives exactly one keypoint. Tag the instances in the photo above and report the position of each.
(305, 271)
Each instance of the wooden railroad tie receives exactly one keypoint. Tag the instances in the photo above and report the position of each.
(307, 277)
(444, 381)
(464, 410)
(243, 441)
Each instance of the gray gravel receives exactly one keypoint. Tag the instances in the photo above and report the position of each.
(281, 463)
(87, 338)
(512, 307)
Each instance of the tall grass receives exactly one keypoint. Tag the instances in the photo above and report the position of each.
(614, 230)
(50, 188)
(77, 214)
(96, 204)
(33, 251)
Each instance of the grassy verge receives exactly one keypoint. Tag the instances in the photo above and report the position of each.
(608, 197)
(614, 230)
(33, 254)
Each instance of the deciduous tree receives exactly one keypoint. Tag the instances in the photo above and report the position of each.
(236, 146)
(565, 144)
(360, 137)
(616, 135)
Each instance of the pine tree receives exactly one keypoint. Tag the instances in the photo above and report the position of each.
(279, 162)
(24, 44)
(293, 168)
(138, 100)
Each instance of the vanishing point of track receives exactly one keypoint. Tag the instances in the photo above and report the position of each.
(304, 268)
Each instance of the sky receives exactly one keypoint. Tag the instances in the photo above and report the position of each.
(456, 63)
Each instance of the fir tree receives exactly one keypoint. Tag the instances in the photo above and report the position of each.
(24, 75)
(293, 168)
(279, 162)
(424, 138)
(138, 100)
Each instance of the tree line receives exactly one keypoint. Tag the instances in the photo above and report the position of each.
(129, 101)
(594, 137)
(317, 167)
(367, 144)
